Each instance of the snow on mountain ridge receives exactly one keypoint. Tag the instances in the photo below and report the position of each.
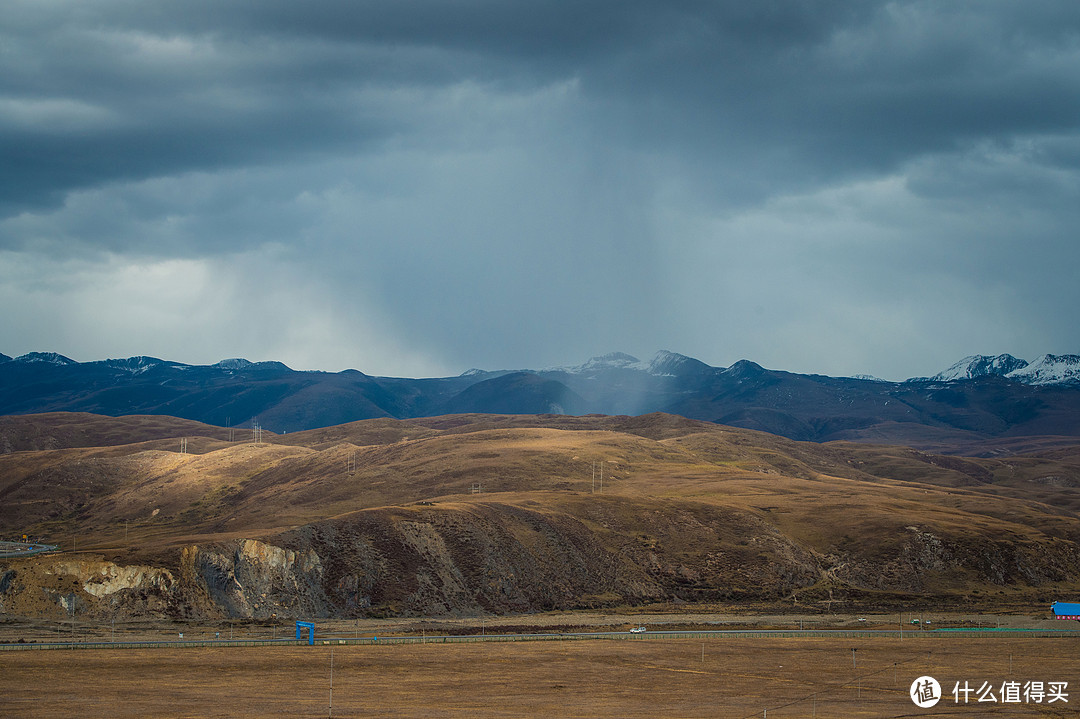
(1046, 370)
(664, 364)
(135, 365)
(612, 360)
(46, 358)
(239, 364)
(234, 363)
(673, 364)
(1049, 369)
(980, 366)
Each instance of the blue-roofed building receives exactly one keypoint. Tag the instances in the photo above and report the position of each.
(1066, 610)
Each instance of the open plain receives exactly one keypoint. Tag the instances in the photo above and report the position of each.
(718, 677)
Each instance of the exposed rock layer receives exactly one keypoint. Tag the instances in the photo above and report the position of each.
(497, 558)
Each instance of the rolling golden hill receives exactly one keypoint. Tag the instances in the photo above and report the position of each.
(488, 513)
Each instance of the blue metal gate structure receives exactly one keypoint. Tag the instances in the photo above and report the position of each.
(310, 626)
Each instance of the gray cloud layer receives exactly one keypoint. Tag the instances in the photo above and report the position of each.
(420, 187)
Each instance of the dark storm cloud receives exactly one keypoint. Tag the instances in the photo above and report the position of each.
(789, 87)
(481, 182)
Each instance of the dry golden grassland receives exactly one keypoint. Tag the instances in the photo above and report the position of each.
(134, 500)
(735, 677)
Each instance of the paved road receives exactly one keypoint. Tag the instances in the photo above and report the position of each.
(939, 634)
(25, 549)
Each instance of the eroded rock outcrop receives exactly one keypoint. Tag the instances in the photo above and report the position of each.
(86, 585)
(491, 557)
(254, 579)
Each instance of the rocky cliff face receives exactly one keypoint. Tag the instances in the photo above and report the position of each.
(500, 558)
(254, 579)
(56, 586)
(484, 558)
(247, 578)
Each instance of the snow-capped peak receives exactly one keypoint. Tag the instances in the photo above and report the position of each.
(664, 364)
(1049, 369)
(612, 360)
(234, 363)
(980, 366)
(45, 358)
(672, 364)
(136, 365)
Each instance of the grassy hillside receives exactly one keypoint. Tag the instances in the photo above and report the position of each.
(512, 513)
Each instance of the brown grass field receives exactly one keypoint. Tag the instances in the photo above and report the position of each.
(688, 493)
(731, 677)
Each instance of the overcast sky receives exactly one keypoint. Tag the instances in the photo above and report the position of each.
(417, 187)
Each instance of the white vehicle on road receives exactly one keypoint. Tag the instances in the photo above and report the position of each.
(637, 630)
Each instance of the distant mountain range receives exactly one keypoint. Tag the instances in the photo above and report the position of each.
(1048, 369)
(979, 398)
